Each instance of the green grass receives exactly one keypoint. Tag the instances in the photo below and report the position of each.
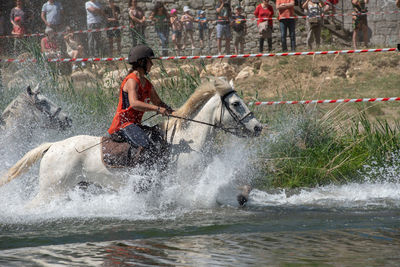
(308, 151)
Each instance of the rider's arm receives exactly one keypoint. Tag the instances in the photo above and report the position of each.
(131, 87)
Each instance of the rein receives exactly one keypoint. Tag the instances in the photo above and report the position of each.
(217, 126)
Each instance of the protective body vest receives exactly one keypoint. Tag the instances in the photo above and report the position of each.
(126, 115)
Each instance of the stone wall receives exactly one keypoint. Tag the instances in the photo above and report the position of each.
(384, 29)
(251, 44)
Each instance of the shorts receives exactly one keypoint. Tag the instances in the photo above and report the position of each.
(114, 33)
(224, 30)
(359, 21)
(178, 34)
(238, 37)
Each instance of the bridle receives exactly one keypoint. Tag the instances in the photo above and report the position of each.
(232, 130)
(238, 120)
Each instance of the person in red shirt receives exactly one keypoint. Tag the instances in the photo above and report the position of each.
(264, 12)
(137, 96)
(18, 28)
(330, 5)
(49, 44)
(286, 21)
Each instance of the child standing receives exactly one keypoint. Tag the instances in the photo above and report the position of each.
(187, 21)
(239, 29)
(203, 27)
(74, 49)
(18, 28)
(177, 27)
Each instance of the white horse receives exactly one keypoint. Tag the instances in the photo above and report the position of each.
(215, 104)
(33, 110)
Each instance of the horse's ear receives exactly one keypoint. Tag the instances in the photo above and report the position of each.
(231, 84)
(36, 91)
(29, 90)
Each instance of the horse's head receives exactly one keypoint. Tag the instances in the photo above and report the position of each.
(56, 117)
(234, 114)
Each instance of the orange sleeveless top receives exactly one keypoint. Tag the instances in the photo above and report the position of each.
(128, 116)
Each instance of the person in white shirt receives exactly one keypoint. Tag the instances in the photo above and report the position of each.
(52, 13)
(95, 15)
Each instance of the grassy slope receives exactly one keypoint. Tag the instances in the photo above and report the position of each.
(321, 144)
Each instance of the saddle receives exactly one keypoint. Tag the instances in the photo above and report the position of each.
(120, 154)
(117, 153)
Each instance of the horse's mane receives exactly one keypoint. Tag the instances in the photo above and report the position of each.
(201, 95)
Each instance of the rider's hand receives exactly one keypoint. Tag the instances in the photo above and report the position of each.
(165, 111)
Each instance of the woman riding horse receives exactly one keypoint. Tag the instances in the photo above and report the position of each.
(135, 96)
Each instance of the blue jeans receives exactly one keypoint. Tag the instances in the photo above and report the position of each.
(290, 24)
(164, 37)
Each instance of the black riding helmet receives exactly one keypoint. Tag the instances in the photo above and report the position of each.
(140, 52)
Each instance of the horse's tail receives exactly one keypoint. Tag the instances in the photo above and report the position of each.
(25, 163)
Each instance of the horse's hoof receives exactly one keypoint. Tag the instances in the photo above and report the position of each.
(242, 200)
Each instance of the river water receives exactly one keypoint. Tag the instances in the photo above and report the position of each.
(195, 221)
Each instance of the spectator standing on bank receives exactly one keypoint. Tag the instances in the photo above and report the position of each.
(52, 13)
(18, 30)
(187, 20)
(314, 21)
(49, 44)
(74, 49)
(360, 22)
(203, 28)
(224, 15)
(239, 29)
(177, 28)
(113, 13)
(137, 23)
(18, 19)
(330, 5)
(94, 15)
(264, 12)
(286, 12)
(161, 23)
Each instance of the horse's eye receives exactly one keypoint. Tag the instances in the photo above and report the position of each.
(236, 104)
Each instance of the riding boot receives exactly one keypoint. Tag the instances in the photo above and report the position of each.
(269, 44)
(261, 45)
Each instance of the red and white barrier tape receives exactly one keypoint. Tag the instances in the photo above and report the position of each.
(354, 100)
(250, 19)
(311, 53)
(284, 54)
